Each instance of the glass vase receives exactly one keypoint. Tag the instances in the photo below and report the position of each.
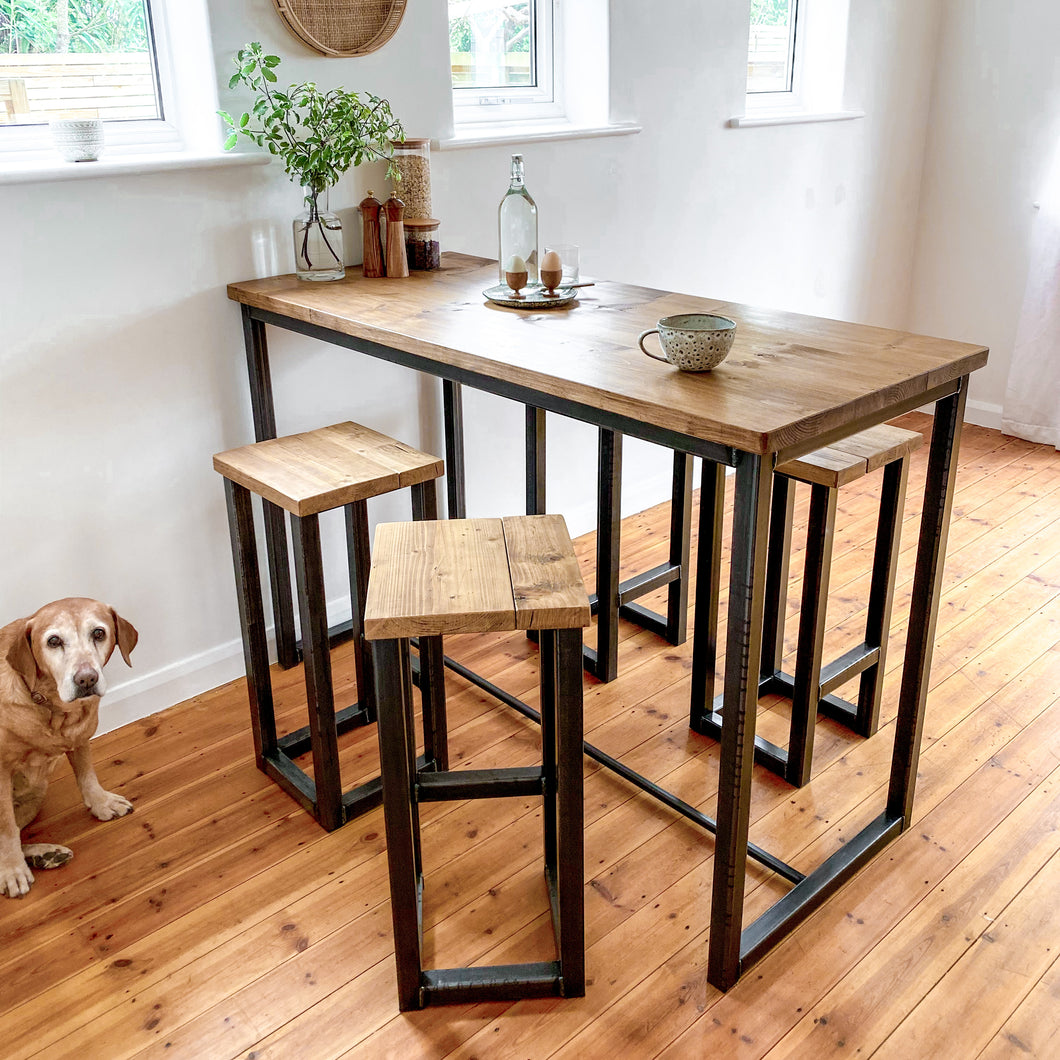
(317, 233)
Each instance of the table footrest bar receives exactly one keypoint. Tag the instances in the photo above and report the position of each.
(763, 857)
(847, 667)
(803, 899)
(499, 982)
(480, 784)
(299, 743)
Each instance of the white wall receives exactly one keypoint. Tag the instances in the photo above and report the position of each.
(995, 127)
(122, 363)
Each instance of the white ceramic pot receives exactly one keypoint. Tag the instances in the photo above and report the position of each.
(78, 139)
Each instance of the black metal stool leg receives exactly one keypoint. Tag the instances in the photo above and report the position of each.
(807, 690)
(708, 591)
(570, 811)
(312, 606)
(252, 621)
(548, 661)
(778, 556)
(360, 563)
(393, 689)
(680, 549)
(881, 593)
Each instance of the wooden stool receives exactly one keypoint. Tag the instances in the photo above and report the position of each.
(614, 598)
(306, 474)
(467, 576)
(825, 470)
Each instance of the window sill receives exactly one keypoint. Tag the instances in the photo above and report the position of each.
(47, 168)
(791, 117)
(512, 133)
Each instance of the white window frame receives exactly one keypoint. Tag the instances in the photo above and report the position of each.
(187, 83)
(819, 70)
(523, 103)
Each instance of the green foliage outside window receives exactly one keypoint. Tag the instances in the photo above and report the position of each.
(56, 26)
(770, 12)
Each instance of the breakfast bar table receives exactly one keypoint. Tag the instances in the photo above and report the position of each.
(791, 384)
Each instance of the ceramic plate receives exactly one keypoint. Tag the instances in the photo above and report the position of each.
(533, 297)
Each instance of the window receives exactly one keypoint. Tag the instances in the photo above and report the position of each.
(796, 62)
(169, 107)
(504, 60)
(77, 59)
(771, 46)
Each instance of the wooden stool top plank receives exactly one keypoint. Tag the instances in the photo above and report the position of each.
(851, 458)
(473, 576)
(319, 470)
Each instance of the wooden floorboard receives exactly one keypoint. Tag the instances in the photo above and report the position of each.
(219, 920)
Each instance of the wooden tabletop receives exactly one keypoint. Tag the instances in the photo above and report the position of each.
(788, 379)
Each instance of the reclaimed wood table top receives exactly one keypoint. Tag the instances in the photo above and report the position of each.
(788, 380)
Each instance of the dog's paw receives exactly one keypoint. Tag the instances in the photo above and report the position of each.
(46, 855)
(15, 879)
(106, 806)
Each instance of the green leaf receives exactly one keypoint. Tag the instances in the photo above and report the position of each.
(231, 141)
(268, 74)
(244, 121)
(233, 81)
(271, 60)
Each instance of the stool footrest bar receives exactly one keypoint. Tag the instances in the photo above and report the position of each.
(298, 742)
(491, 983)
(479, 784)
(848, 666)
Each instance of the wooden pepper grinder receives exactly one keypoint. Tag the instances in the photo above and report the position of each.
(373, 237)
(397, 263)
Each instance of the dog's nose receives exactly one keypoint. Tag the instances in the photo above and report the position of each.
(85, 678)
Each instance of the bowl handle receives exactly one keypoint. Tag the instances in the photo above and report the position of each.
(640, 342)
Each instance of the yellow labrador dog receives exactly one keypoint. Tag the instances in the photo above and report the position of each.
(51, 678)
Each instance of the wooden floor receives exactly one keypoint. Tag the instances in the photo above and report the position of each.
(218, 920)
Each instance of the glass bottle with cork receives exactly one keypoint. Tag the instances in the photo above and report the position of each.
(517, 225)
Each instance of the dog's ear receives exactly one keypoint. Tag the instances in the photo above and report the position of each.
(21, 658)
(125, 634)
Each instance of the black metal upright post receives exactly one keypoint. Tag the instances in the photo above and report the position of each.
(881, 592)
(680, 548)
(360, 563)
(264, 414)
(708, 591)
(535, 461)
(923, 608)
(312, 606)
(252, 621)
(742, 660)
(608, 531)
(453, 416)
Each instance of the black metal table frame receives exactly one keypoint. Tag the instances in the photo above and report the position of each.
(732, 948)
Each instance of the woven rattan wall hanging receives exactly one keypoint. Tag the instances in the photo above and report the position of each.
(342, 27)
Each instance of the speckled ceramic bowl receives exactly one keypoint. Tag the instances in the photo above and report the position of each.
(693, 342)
(78, 139)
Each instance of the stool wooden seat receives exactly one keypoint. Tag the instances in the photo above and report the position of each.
(811, 687)
(429, 579)
(306, 474)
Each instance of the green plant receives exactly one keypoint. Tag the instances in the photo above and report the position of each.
(318, 135)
